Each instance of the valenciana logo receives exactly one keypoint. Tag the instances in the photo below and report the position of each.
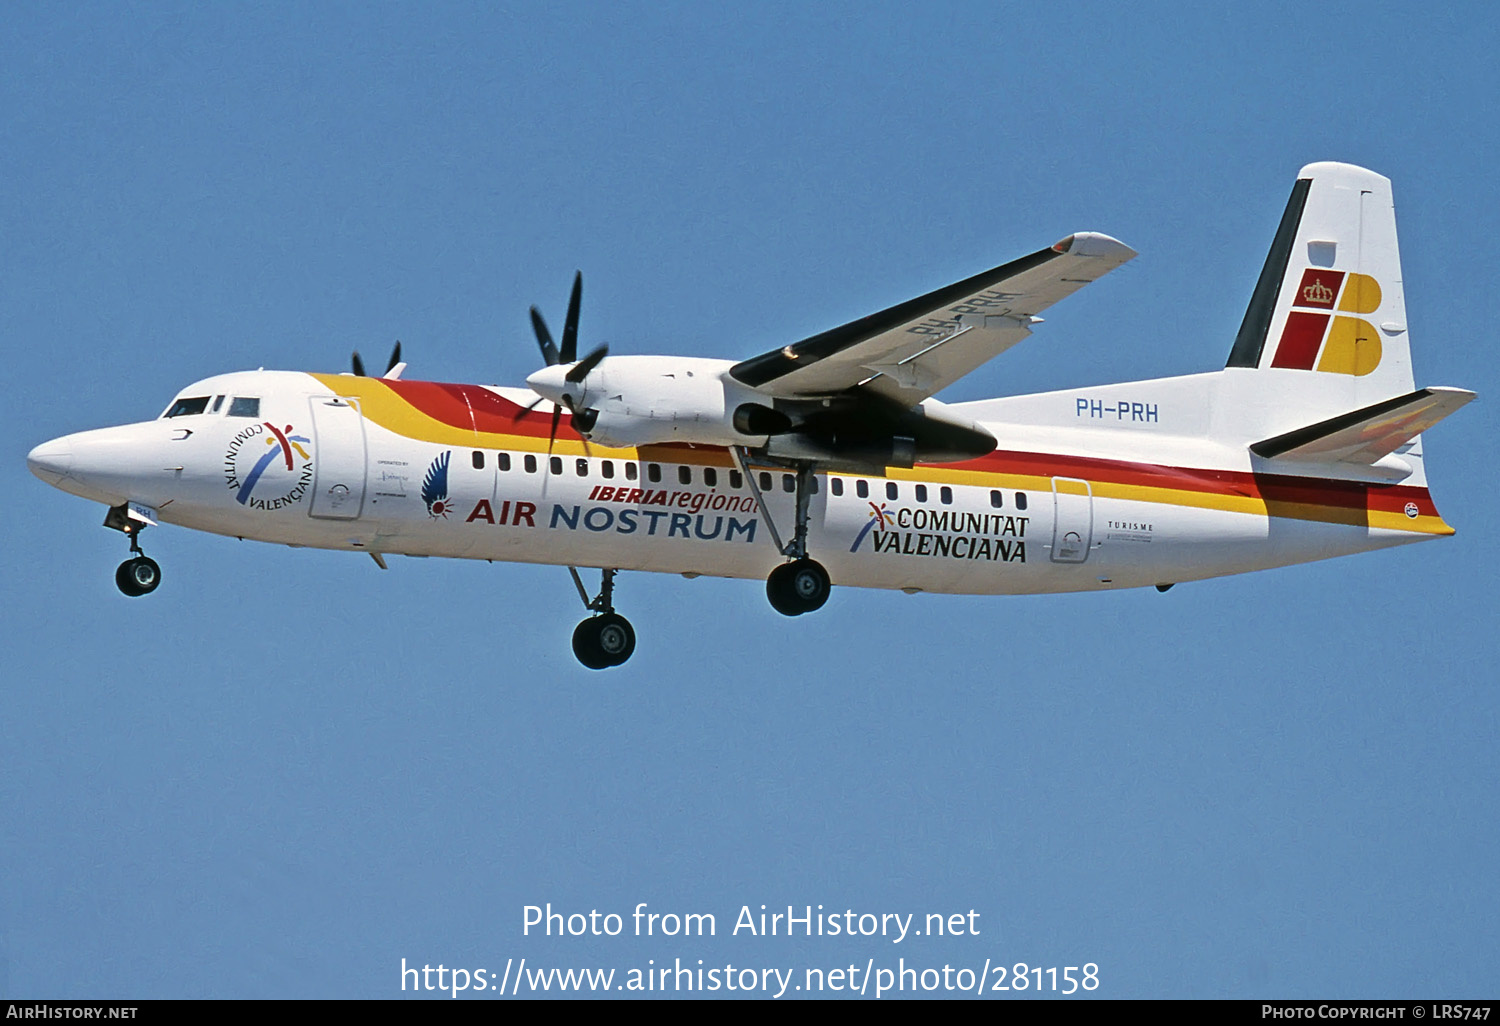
(879, 517)
(956, 534)
(277, 476)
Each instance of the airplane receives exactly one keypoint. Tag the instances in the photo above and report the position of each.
(1306, 445)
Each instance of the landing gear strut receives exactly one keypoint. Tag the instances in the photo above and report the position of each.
(140, 574)
(605, 639)
(802, 585)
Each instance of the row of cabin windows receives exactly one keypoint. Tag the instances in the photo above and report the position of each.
(239, 406)
(893, 490)
(607, 469)
(945, 493)
(736, 481)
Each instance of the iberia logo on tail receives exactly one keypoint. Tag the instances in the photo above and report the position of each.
(1330, 341)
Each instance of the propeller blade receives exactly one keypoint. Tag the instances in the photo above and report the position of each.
(581, 370)
(552, 435)
(525, 410)
(395, 357)
(544, 338)
(359, 365)
(569, 351)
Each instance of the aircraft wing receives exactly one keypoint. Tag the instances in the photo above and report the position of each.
(916, 348)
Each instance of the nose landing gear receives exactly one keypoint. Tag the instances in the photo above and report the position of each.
(140, 574)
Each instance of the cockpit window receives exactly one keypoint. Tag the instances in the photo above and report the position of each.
(188, 407)
(240, 406)
(218, 401)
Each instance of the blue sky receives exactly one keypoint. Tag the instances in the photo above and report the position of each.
(286, 771)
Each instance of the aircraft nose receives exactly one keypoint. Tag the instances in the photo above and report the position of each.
(52, 460)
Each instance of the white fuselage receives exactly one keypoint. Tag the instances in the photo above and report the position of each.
(352, 463)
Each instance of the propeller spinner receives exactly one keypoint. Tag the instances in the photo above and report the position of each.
(561, 380)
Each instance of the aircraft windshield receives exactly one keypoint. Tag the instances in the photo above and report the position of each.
(188, 407)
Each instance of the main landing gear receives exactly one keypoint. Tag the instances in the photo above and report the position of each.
(798, 587)
(605, 639)
(140, 574)
(802, 585)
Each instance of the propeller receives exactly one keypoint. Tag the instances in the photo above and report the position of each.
(390, 367)
(554, 355)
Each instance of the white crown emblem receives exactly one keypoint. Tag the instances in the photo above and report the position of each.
(1317, 292)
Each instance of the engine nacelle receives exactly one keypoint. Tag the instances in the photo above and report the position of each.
(645, 400)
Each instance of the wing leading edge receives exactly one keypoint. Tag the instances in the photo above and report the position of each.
(914, 349)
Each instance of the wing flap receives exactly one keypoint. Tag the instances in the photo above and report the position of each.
(916, 348)
(1367, 435)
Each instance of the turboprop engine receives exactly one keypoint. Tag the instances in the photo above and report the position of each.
(625, 401)
(628, 401)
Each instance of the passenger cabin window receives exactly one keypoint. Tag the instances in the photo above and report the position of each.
(478, 460)
(607, 468)
(685, 475)
(244, 406)
(996, 498)
(188, 407)
(504, 460)
(583, 467)
(632, 472)
(555, 465)
(1020, 500)
(890, 490)
(653, 472)
(710, 477)
(735, 480)
(862, 488)
(530, 464)
(788, 483)
(946, 495)
(765, 481)
(837, 484)
(921, 493)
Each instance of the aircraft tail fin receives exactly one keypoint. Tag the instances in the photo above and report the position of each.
(1367, 437)
(1329, 301)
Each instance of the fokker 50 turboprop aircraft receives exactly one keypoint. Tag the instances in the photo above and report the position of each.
(829, 459)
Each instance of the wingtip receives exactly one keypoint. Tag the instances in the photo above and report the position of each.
(1095, 244)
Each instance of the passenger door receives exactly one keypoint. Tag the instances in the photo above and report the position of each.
(338, 458)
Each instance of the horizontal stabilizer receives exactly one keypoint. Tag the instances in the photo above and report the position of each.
(1365, 436)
